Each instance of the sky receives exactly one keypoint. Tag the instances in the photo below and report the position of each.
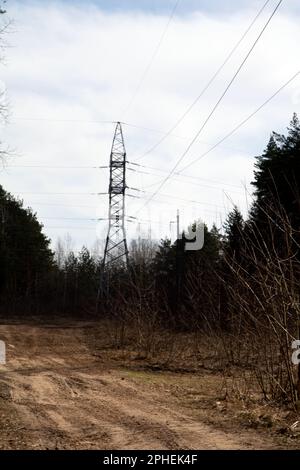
(74, 68)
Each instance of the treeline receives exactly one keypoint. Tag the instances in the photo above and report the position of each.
(190, 287)
(36, 280)
(243, 285)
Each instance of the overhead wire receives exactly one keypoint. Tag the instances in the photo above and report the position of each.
(62, 193)
(222, 183)
(80, 121)
(217, 187)
(242, 123)
(214, 107)
(56, 167)
(179, 172)
(207, 86)
(150, 63)
(233, 131)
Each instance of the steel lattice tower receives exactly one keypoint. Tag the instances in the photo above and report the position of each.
(116, 244)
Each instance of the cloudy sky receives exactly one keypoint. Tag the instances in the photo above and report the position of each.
(73, 68)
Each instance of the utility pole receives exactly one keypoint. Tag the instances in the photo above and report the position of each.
(178, 224)
(178, 264)
(179, 255)
(116, 243)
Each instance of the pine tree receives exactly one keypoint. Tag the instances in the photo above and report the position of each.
(233, 234)
(277, 176)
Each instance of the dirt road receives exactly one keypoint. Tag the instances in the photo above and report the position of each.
(56, 393)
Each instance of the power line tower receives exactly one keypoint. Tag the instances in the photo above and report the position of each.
(116, 244)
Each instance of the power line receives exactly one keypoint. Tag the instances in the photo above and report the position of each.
(96, 207)
(150, 129)
(179, 174)
(159, 131)
(89, 121)
(63, 205)
(150, 63)
(218, 186)
(67, 194)
(80, 121)
(214, 107)
(131, 195)
(68, 228)
(242, 123)
(64, 194)
(98, 219)
(170, 196)
(56, 167)
(136, 126)
(210, 82)
(73, 218)
(235, 129)
(189, 201)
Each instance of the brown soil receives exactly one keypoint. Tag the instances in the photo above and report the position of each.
(56, 392)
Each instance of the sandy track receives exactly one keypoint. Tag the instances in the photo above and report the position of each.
(54, 393)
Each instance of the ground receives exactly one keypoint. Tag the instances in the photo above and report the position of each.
(57, 391)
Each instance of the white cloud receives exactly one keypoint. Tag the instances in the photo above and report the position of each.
(74, 63)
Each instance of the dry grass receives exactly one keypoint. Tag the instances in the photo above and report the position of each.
(217, 390)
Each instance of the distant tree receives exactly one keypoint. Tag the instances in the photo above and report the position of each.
(88, 281)
(62, 250)
(60, 253)
(201, 286)
(164, 260)
(233, 234)
(186, 281)
(67, 288)
(142, 251)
